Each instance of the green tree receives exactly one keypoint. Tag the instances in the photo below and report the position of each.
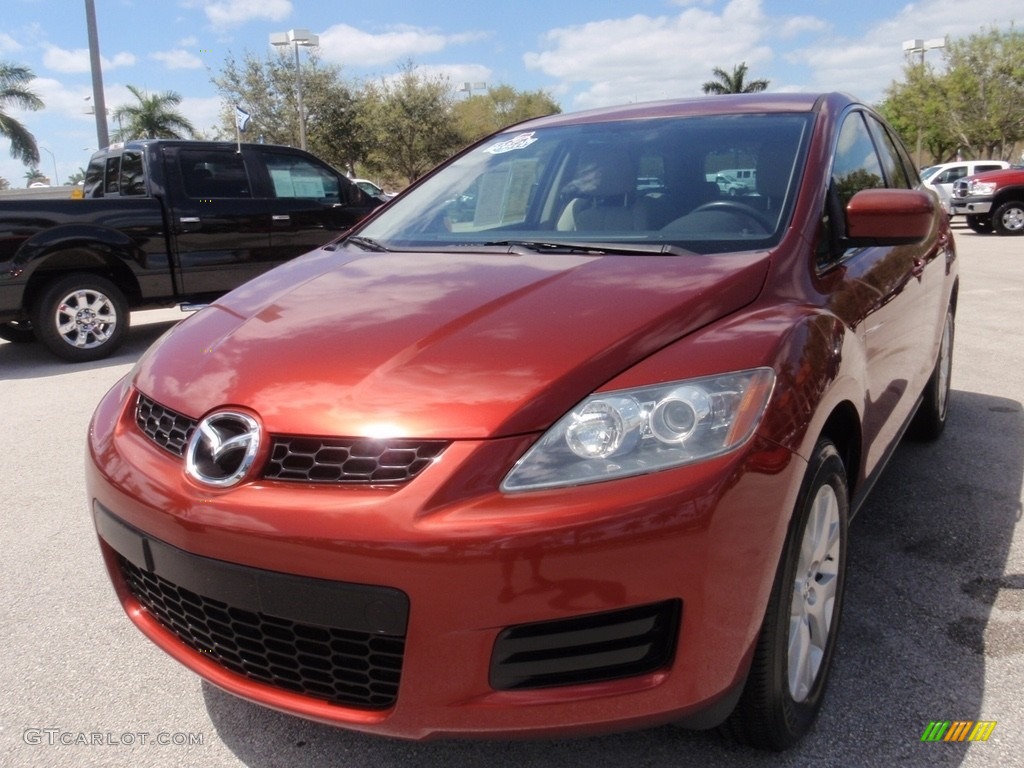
(15, 92)
(33, 175)
(478, 116)
(733, 83)
(4, 184)
(76, 177)
(266, 89)
(409, 124)
(974, 107)
(154, 117)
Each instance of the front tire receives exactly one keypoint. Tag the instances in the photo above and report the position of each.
(980, 224)
(930, 419)
(1008, 218)
(786, 684)
(81, 317)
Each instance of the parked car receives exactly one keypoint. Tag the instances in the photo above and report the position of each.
(574, 459)
(162, 223)
(371, 188)
(992, 201)
(942, 176)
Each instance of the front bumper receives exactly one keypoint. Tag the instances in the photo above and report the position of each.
(449, 608)
(968, 206)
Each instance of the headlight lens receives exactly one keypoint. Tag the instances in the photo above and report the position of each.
(635, 431)
(981, 188)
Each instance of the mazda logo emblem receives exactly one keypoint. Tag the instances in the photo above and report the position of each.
(222, 448)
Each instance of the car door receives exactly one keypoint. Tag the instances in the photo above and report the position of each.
(309, 202)
(884, 294)
(219, 227)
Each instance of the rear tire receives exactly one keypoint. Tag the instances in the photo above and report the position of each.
(786, 684)
(980, 224)
(81, 317)
(1008, 218)
(17, 332)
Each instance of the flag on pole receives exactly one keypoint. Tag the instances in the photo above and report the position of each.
(241, 119)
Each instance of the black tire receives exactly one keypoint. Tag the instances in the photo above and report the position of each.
(1008, 218)
(17, 332)
(81, 317)
(776, 708)
(980, 224)
(930, 419)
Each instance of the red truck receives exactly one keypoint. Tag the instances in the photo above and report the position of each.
(992, 201)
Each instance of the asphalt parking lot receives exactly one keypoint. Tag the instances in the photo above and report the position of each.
(933, 627)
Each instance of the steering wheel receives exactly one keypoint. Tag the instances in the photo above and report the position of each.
(738, 208)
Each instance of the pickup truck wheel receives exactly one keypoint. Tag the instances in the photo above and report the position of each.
(786, 683)
(1008, 218)
(17, 331)
(81, 317)
(980, 224)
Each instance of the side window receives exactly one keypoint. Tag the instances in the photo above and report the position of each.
(93, 186)
(892, 160)
(856, 165)
(210, 174)
(296, 177)
(983, 167)
(132, 181)
(111, 184)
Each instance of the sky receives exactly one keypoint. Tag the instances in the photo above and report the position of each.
(597, 53)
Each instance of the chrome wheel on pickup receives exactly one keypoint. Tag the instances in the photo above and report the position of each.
(81, 317)
(1008, 218)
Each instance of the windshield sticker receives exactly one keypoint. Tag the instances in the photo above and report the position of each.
(522, 141)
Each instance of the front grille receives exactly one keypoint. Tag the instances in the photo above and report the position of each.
(305, 459)
(586, 649)
(168, 429)
(322, 460)
(341, 666)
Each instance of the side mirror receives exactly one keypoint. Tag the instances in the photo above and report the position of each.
(889, 217)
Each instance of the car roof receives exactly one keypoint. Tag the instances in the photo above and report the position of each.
(732, 104)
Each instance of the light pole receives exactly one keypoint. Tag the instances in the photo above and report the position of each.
(297, 37)
(50, 153)
(468, 88)
(97, 75)
(910, 47)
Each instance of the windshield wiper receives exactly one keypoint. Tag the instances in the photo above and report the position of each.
(541, 246)
(366, 243)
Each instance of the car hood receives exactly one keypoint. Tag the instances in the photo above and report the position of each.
(436, 345)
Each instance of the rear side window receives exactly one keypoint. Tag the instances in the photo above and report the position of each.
(895, 170)
(209, 174)
(112, 175)
(93, 186)
(132, 180)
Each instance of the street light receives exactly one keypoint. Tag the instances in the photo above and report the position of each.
(297, 37)
(910, 47)
(50, 152)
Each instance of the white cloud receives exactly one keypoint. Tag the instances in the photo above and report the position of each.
(177, 59)
(644, 57)
(77, 60)
(230, 13)
(8, 43)
(342, 44)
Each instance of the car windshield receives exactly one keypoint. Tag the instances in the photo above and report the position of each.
(702, 184)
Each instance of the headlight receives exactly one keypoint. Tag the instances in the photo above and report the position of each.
(981, 188)
(636, 431)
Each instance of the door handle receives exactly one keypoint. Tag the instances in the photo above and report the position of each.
(281, 217)
(189, 219)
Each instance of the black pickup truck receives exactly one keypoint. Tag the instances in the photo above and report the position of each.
(161, 223)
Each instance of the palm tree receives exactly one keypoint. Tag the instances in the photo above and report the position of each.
(14, 91)
(154, 117)
(33, 175)
(726, 83)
